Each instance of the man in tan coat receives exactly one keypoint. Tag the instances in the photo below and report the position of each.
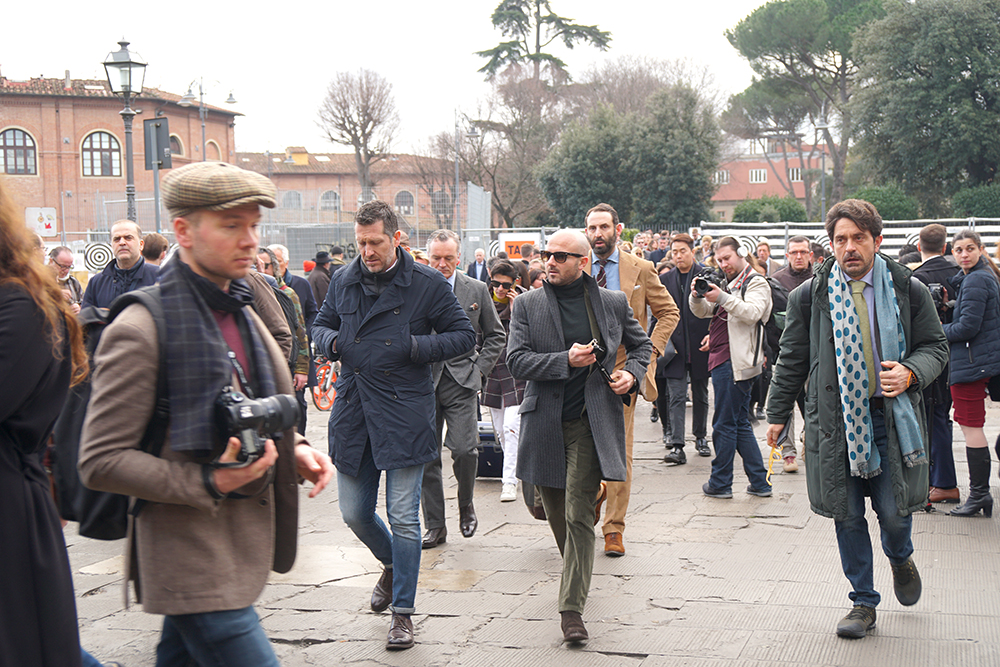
(638, 279)
(210, 529)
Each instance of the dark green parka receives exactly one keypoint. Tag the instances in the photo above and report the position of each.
(807, 359)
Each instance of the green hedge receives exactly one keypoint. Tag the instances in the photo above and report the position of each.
(763, 210)
(890, 201)
(979, 202)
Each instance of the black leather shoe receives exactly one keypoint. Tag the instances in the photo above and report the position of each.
(857, 623)
(573, 628)
(382, 595)
(906, 582)
(676, 456)
(467, 520)
(761, 415)
(701, 447)
(400, 632)
(434, 537)
(654, 416)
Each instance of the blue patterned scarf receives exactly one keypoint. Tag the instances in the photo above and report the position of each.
(852, 372)
(197, 363)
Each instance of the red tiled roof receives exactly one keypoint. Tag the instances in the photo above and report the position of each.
(86, 88)
(340, 163)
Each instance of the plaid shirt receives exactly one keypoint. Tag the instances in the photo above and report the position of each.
(503, 389)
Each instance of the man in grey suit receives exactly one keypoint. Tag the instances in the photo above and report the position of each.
(456, 384)
(572, 423)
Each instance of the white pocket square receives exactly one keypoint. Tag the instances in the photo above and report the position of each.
(636, 287)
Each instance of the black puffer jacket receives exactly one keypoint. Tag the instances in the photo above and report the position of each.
(974, 331)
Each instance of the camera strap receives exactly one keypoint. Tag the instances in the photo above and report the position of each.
(244, 382)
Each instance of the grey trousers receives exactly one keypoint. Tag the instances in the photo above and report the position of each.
(699, 408)
(455, 405)
(570, 513)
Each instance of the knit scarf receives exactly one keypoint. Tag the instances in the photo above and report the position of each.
(852, 372)
(198, 365)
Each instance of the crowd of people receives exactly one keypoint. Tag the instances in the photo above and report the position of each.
(558, 344)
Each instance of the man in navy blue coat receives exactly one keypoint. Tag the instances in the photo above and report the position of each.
(126, 272)
(387, 318)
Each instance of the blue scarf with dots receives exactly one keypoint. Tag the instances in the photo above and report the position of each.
(852, 372)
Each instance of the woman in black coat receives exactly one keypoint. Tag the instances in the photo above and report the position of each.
(974, 335)
(41, 353)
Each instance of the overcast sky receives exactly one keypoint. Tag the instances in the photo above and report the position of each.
(278, 59)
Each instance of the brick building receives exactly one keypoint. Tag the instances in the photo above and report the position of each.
(755, 173)
(62, 150)
(319, 193)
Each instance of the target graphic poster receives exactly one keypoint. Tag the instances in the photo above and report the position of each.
(97, 256)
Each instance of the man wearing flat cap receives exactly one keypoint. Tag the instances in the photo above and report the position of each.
(319, 279)
(210, 528)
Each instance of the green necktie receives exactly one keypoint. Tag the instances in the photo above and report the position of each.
(857, 291)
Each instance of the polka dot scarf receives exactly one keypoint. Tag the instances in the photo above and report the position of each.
(852, 372)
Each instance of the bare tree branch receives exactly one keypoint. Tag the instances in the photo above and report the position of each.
(359, 111)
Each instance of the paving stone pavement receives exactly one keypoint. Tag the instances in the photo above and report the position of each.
(745, 582)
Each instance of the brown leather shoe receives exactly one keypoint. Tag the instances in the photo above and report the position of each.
(400, 632)
(601, 497)
(613, 545)
(434, 537)
(573, 628)
(382, 595)
(943, 495)
(467, 520)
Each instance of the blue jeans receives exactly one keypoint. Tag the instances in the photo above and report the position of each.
(852, 533)
(400, 549)
(88, 660)
(731, 432)
(942, 458)
(231, 638)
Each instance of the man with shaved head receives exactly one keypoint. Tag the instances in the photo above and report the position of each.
(563, 339)
(126, 272)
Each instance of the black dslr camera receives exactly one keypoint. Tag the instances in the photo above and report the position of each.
(253, 421)
(708, 277)
(940, 296)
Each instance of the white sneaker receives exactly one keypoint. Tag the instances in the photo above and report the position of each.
(508, 493)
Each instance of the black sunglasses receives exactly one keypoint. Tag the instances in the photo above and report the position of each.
(497, 284)
(560, 257)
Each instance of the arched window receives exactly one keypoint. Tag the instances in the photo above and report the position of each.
(175, 145)
(366, 195)
(404, 203)
(213, 152)
(329, 201)
(101, 155)
(17, 150)
(291, 200)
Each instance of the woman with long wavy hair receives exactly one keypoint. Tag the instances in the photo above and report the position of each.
(974, 336)
(41, 355)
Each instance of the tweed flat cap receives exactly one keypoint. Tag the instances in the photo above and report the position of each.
(214, 186)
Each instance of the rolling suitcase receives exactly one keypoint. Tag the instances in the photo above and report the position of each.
(490, 452)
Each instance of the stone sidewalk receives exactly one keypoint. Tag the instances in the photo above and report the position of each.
(705, 583)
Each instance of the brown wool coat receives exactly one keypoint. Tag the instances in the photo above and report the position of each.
(186, 552)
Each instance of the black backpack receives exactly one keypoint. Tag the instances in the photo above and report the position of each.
(103, 515)
(775, 322)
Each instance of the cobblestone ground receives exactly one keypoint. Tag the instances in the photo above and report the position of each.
(704, 583)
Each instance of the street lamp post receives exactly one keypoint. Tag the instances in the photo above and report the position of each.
(188, 99)
(125, 72)
(823, 127)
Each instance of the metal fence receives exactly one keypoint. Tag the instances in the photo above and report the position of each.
(895, 233)
(305, 221)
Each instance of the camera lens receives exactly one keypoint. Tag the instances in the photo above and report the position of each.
(281, 412)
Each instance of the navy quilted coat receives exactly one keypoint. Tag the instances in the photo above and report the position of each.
(974, 331)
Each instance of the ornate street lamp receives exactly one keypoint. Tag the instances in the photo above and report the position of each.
(188, 99)
(125, 73)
